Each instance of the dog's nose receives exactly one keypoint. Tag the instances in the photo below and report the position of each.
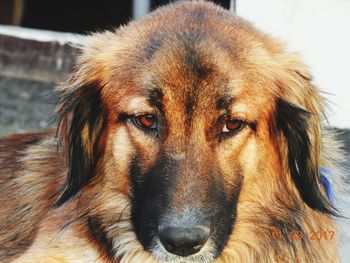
(183, 241)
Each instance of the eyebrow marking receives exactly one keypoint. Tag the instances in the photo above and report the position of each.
(224, 102)
(155, 96)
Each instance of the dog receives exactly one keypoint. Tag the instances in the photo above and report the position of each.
(186, 136)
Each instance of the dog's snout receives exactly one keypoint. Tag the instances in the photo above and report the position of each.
(183, 241)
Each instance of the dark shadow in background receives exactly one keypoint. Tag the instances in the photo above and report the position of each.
(76, 16)
(81, 16)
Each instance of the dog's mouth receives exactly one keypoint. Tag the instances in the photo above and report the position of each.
(205, 253)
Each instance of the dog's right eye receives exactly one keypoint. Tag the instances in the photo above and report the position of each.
(232, 125)
(146, 122)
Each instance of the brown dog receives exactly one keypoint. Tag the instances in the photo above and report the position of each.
(188, 136)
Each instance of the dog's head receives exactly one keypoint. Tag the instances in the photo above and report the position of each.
(186, 115)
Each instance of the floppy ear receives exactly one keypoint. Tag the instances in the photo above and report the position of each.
(300, 126)
(81, 124)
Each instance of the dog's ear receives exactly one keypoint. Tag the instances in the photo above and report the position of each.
(81, 121)
(299, 113)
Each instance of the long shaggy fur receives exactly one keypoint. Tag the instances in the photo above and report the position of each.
(73, 194)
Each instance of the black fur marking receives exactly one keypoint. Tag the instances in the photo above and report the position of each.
(288, 224)
(189, 105)
(124, 117)
(154, 43)
(289, 233)
(150, 197)
(154, 192)
(97, 232)
(193, 60)
(155, 97)
(224, 102)
(293, 122)
(195, 64)
(80, 109)
(225, 210)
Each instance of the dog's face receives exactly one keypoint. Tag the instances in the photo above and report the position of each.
(189, 145)
(186, 121)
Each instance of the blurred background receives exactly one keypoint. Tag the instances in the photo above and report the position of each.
(36, 53)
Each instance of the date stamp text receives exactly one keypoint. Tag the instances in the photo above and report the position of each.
(315, 235)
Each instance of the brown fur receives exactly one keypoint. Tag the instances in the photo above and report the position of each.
(195, 53)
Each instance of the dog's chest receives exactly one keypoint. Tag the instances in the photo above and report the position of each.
(63, 248)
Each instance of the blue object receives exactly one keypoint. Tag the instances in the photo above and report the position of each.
(325, 173)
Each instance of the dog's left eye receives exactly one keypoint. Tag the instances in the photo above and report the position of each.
(147, 121)
(232, 125)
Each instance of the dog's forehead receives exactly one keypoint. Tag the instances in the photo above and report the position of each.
(190, 64)
(197, 72)
(186, 80)
(188, 73)
(196, 80)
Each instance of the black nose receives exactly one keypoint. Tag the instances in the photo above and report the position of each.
(183, 241)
